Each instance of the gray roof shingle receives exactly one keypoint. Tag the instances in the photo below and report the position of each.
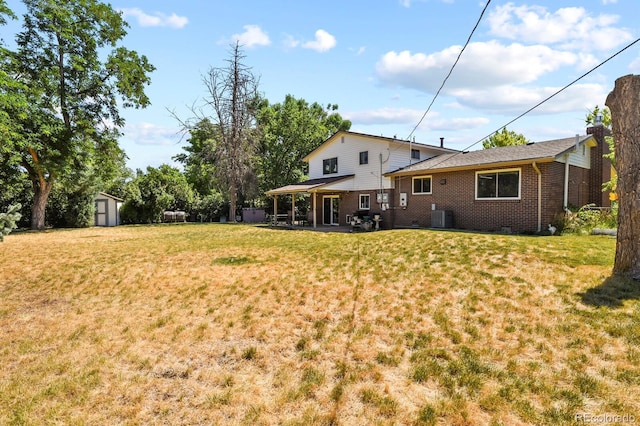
(539, 151)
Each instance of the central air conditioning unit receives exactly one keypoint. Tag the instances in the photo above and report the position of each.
(442, 219)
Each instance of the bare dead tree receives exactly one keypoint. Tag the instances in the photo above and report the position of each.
(624, 103)
(230, 105)
(233, 97)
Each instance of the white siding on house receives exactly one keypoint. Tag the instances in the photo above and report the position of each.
(581, 157)
(347, 147)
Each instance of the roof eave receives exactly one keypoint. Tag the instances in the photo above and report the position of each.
(470, 167)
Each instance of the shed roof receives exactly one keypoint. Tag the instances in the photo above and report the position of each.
(105, 195)
(509, 155)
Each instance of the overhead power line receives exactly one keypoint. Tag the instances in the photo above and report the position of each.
(545, 100)
(555, 94)
(450, 71)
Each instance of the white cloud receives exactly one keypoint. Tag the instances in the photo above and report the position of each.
(605, 2)
(412, 116)
(509, 99)
(634, 66)
(158, 19)
(252, 36)
(143, 133)
(569, 27)
(385, 116)
(484, 64)
(323, 42)
(460, 123)
(359, 51)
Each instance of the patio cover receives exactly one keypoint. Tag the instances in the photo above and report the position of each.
(308, 186)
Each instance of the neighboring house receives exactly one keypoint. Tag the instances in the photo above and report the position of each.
(107, 210)
(347, 173)
(509, 189)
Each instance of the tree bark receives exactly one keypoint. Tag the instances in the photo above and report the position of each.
(40, 197)
(624, 103)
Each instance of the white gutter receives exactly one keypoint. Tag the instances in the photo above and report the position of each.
(535, 167)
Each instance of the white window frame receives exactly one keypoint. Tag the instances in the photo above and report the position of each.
(414, 178)
(498, 171)
(360, 198)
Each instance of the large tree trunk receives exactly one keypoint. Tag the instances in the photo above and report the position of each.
(40, 197)
(233, 200)
(624, 103)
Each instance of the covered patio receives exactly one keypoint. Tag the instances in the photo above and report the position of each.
(313, 187)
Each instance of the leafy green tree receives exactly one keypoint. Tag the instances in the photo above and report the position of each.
(289, 131)
(604, 113)
(66, 80)
(199, 159)
(504, 138)
(153, 192)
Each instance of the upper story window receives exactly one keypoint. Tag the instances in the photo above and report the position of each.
(329, 166)
(422, 185)
(364, 157)
(415, 154)
(503, 184)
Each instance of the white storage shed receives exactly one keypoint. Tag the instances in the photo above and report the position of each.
(107, 209)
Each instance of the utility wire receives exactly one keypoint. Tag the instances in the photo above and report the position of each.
(558, 92)
(450, 71)
(543, 101)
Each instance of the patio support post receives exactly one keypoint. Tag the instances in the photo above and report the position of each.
(274, 221)
(293, 208)
(314, 209)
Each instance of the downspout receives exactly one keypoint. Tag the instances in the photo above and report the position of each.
(565, 201)
(535, 167)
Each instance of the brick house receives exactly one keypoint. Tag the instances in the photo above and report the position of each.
(508, 189)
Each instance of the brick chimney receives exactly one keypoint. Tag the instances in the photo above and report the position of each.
(600, 167)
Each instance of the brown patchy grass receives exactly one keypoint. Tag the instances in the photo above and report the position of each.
(223, 324)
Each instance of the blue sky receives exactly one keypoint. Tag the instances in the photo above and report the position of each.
(382, 62)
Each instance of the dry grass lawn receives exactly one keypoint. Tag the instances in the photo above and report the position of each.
(224, 324)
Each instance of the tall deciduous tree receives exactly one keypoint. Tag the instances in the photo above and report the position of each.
(624, 102)
(74, 76)
(504, 138)
(197, 159)
(290, 131)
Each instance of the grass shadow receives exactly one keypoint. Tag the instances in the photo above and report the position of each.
(612, 292)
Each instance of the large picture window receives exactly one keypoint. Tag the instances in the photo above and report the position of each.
(503, 184)
(422, 185)
(329, 166)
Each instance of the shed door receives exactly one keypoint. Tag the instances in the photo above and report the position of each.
(101, 213)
